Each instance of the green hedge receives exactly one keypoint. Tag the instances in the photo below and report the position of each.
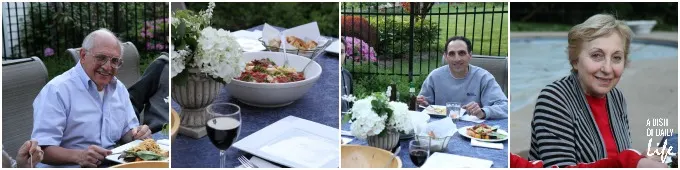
(394, 37)
(366, 84)
(240, 16)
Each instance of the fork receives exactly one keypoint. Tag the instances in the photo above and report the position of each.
(246, 162)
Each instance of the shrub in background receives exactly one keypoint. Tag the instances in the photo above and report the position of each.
(395, 38)
(244, 15)
(356, 26)
(356, 49)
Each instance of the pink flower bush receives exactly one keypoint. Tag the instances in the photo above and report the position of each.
(357, 49)
(152, 34)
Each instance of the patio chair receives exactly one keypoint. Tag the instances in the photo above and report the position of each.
(497, 66)
(22, 80)
(129, 72)
(347, 88)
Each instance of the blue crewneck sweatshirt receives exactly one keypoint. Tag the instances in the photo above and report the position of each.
(478, 85)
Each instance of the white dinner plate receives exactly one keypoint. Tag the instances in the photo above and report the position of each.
(295, 143)
(250, 45)
(463, 131)
(445, 160)
(120, 149)
(430, 110)
(334, 47)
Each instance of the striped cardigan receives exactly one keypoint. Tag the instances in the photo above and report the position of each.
(563, 129)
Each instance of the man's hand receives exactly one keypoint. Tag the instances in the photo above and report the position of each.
(473, 109)
(141, 132)
(420, 100)
(650, 163)
(92, 157)
(29, 150)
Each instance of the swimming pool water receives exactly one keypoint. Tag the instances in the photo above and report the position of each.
(535, 63)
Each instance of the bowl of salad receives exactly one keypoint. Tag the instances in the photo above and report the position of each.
(267, 82)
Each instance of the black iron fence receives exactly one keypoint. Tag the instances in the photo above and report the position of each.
(407, 39)
(46, 29)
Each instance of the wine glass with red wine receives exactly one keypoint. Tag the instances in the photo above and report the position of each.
(419, 151)
(223, 127)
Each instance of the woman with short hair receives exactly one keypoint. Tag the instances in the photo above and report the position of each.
(582, 117)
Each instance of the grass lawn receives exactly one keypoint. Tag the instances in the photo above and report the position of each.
(494, 28)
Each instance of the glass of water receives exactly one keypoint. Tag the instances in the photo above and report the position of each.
(453, 110)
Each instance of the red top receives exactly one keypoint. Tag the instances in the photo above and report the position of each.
(599, 108)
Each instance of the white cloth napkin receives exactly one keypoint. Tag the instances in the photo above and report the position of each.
(248, 40)
(253, 35)
(345, 140)
(250, 45)
(486, 144)
(260, 163)
(470, 118)
(441, 128)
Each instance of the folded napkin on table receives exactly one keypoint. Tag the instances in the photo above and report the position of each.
(477, 143)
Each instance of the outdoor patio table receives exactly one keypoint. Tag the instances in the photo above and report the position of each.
(319, 105)
(458, 145)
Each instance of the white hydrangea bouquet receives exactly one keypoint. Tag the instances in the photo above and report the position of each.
(375, 115)
(195, 44)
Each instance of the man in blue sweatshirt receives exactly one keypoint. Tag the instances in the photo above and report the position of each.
(458, 81)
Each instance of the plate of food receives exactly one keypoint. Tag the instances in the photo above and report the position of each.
(268, 82)
(435, 110)
(266, 71)
(483, 132)
(135, 151)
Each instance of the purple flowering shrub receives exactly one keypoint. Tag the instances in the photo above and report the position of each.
(356, 49)
(154, 34)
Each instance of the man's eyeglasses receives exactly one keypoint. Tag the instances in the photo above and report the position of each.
(103, 59)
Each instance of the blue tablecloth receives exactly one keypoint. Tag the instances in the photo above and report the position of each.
(458, 145)
(320, 105)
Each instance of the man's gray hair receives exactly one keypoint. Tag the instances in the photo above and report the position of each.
(88, 42)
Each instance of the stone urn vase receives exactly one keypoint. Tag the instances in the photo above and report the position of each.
(386, 142)
(198, 92)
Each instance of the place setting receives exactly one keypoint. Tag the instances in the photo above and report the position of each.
(148, 153)
(255, 107)
(436, 137)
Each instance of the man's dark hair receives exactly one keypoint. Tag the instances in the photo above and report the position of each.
(467, 43)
